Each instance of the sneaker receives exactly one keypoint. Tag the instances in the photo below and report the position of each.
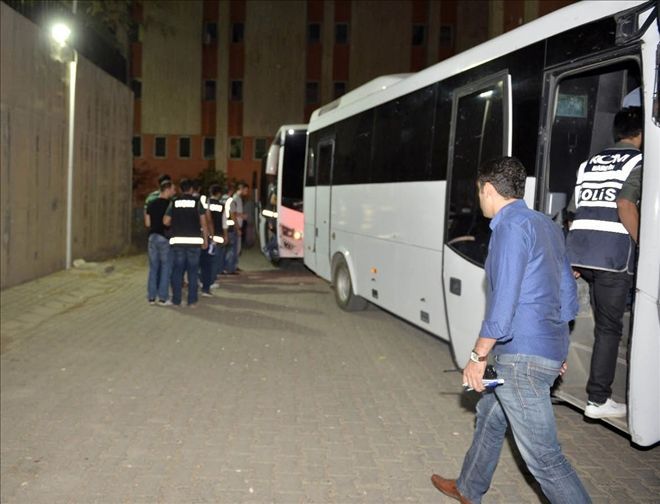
(164, 303)
(609, 409)
(215, 286)
(152, 302)
(193, 306)
(206, 294)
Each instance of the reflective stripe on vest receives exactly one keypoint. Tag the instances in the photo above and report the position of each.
(218, 239)
(186, 240)
(598, 225)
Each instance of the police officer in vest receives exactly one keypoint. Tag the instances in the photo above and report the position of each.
(211, 262)
(601, 249)
(187, 222)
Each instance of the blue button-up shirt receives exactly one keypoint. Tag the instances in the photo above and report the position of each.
(531, 290)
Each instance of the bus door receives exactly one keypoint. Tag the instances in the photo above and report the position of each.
(319, 246)
(480, 131)
(581, 108)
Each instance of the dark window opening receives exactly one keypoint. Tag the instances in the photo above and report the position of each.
(137, 146)
(446, 36)
(418, 35)
(341, 33)
(235, 148)
(260, 148)
(209, 148)
(136, 86)
(160, 147)
(312, 93)
(313, 33)
(237, 32)
(236, 92)
(210, 32)
(209, 90)
(339, 89)
(184, 147)
(294, 169)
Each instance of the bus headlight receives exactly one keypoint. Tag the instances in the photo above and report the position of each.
(291, 233)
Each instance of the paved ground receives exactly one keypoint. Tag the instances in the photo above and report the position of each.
(268, 393)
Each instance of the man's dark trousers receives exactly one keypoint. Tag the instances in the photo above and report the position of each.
(608, 294)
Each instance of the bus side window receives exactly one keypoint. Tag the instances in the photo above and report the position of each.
(478, 135)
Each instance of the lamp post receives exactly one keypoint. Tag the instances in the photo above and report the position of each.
(60, 33)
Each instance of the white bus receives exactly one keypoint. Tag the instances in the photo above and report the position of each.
(391, 211)
(280, 209)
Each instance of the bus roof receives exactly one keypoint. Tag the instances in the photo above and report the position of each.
(561, 20)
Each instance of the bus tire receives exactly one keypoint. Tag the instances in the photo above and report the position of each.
(343, 286)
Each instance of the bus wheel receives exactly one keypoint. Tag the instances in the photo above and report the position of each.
(344, 295)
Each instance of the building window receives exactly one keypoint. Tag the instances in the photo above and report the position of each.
(209, 148)
(237, 90)
(237, 32)
(260, 148)
(210, 32)
(235, 148)
(312, 93)
(136, 86)
(341, 33)
(209, 90)
(160, 147)
(137, 146)
(418, 35)
(446, 36)
(313, 33)
(339, 89)
(184, 147)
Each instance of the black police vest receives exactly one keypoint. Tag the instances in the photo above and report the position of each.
(597, 239)
(185, 228)
(216, 208)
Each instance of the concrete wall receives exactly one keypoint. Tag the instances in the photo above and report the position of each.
(380, 36)
(33, 156)
(274, 81)
(172, 67)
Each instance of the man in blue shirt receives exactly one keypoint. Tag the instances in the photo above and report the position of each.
(531, 299)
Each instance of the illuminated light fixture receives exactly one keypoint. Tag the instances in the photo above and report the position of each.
(383, 87)
(486, 94)
(291, 132)
(297, 235)
(60, 33)
(374, 270)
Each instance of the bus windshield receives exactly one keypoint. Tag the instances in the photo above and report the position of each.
(292, 176)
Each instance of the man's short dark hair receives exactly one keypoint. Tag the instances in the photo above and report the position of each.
(163, 178)
(627, 123)
(506, 174)
(185, 185)
(165, 184)
(196, 184)
(214, 189)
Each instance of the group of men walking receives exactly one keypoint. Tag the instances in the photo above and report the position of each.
(192, 237)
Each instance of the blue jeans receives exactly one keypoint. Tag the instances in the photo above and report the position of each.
(523, 402)
(206, 261)
(231, 252)
(186, 260)
(160, 267)
(218, 262)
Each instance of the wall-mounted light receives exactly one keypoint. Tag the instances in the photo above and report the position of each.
(60, 33)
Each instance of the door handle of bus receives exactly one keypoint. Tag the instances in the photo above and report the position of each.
(455, 286)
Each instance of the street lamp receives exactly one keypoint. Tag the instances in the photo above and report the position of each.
(60, 33)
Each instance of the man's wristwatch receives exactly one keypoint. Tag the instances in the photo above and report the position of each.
(475, 357)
